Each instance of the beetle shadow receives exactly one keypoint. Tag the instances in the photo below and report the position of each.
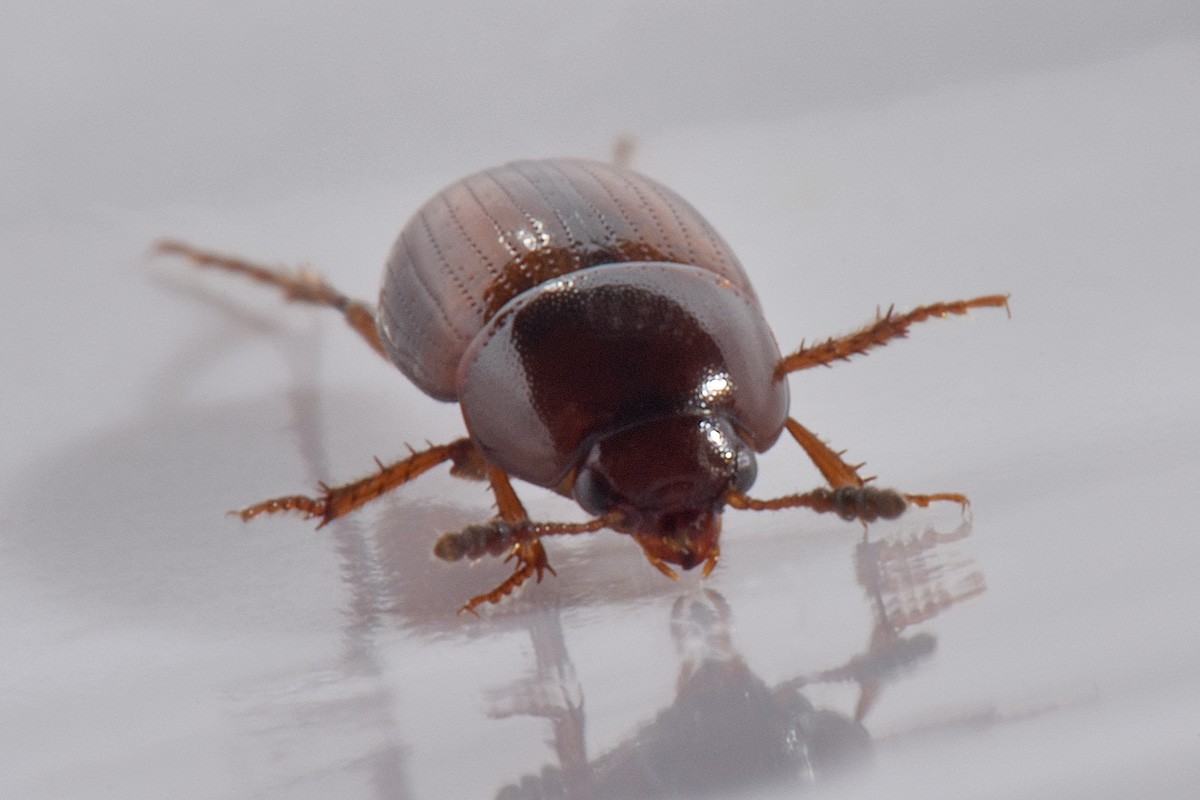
(727, 730)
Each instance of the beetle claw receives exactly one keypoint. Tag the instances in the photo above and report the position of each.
(531, 562)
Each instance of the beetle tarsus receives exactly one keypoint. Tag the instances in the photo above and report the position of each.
(495, 537)
(521, 540)
(923, 500)
(531, 560)
(310, 507)
(867, 503)
(863, 503)
(492, 538)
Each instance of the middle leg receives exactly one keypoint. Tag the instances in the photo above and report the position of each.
(337, 501)
(876, 334)
(849, 496)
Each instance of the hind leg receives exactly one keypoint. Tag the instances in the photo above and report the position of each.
(303, 286)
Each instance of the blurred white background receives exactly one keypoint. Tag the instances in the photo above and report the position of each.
(854, 155)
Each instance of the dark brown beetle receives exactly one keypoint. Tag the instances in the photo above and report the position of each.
(603, 342)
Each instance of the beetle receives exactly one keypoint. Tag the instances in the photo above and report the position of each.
(602, 341)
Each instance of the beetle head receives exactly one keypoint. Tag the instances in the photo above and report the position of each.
(666, 479)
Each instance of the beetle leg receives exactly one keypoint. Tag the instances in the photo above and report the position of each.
(837, 472)
(850, 496)
(864, 503)
(497, 537)
(304, 286)
(923, 500)
(507, 503)
(876, 334)
(510, 531)
(531, 559)
(662, 567)
(512, 524)
(340, 500)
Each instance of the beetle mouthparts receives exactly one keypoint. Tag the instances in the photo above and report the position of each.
(684, 538)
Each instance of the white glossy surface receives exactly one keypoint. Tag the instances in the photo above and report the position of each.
(155, 648)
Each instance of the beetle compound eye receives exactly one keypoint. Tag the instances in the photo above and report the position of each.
(593, 492)
(746, 469)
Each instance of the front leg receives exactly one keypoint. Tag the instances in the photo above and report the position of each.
(510, 531)
(521, 540)
(863, 503)
(850, 496)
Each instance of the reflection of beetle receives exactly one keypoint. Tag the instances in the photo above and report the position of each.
(604, 342)
(725, 732)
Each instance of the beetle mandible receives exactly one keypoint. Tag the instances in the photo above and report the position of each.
(602, 341)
